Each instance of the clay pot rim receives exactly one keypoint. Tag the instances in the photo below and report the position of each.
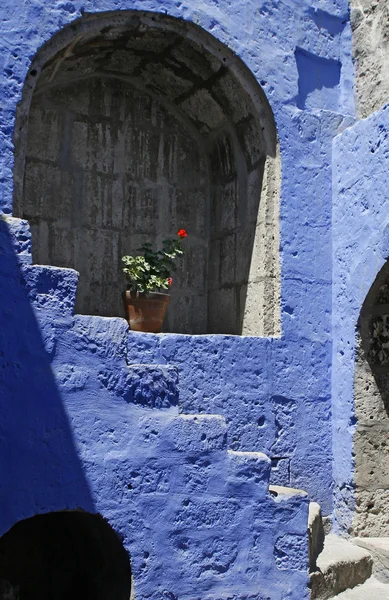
(144, 295)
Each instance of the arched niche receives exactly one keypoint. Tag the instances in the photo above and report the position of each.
(131, 126)
(63, 555)
(371, 393)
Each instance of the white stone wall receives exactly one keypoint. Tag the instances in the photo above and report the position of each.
(370, 25)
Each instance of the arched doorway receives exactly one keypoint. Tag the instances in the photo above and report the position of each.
(133, 125)
(371, 392)
(62, 556)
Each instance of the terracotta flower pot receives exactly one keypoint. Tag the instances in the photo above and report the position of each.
(145, 312)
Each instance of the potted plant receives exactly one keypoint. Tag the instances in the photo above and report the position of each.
(148, 276)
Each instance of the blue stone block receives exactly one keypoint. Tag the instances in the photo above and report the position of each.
(249, 474)
(196, 433)
(152, 386)
(51, 288)
(15, 239)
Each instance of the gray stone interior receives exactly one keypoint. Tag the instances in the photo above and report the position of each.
(135, 131)
(371, 441)
(370, 25)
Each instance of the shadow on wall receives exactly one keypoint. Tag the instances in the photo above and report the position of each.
(66, 556)
(40, 470)
(315, 75)
(373, 329)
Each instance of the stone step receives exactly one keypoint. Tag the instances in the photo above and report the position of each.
(196, 433)
(282, 492)
(51, 288)
(372, 589)
(15, 238)
(248, 474)
(379, 550)
(341, 566)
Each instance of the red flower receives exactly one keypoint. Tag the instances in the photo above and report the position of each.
(169, 281)
(182, 233)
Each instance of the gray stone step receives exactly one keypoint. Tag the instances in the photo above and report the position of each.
(379, 549)
(341, 566)
(372, 589)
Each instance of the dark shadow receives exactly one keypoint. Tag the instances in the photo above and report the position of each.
(316, 73)
(40, 469)
(373, 329)
(64, 556)
(331, 23)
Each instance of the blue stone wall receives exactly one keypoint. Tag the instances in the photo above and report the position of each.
(81, 427)
(360, 220)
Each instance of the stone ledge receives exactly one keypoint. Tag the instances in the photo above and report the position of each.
(341, 566)
(379, 549)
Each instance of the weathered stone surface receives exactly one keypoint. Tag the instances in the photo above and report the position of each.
(372, 411)
(372, 468)
(379, 550)
(196, 433)
(15, 238)
(51, 288)
(372, 588)
(153, 386)
(370, 26)
(359, 396)
(290, 549)
(248, 474)
(369, 391)
(341, 566)
(92, 444)
(115, 179)
(202, 108)
(371, 516)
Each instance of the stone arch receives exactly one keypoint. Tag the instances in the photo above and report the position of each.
(132, 125)
(65, 554)
(371, 393)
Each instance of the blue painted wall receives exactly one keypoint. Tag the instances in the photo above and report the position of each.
(83, 428)
(360, 220)
(96, 433)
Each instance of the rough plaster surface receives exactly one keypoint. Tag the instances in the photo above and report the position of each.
(370, 25)
(242, 379)
(271, 393)
(359, 394)
(102, 434)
